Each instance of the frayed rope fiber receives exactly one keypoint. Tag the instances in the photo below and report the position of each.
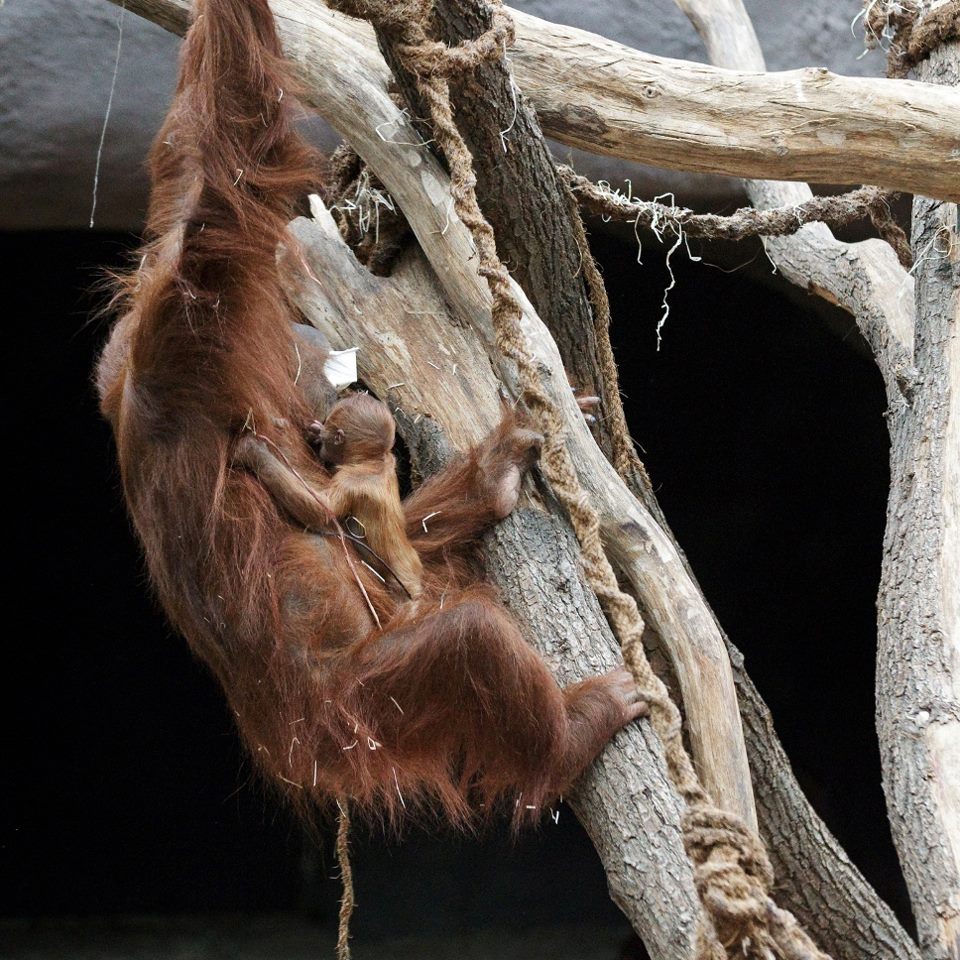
(732, 872)
(912, 37)
(835, 211)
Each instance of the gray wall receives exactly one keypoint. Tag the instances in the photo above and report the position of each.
(57, 58)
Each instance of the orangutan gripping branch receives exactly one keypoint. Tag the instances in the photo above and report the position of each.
(340, 686)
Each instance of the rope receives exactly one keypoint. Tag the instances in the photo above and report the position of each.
(625, 459)
(732, 873)
(837, 211)
(912, 39)
(347, 901)
(369, 221)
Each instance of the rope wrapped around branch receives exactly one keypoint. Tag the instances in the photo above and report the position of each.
(836, 211)
(732, 872)
(912, 39)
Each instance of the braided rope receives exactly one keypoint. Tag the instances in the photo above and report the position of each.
(732, 873)
(347, 899)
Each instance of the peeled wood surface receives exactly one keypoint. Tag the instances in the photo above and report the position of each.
(604, 97)
(818, 882)
(518, 191)
(807, 124)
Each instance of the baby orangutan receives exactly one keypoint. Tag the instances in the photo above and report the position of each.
(356, 440)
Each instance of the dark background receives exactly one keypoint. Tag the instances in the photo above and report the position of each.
(125, 788)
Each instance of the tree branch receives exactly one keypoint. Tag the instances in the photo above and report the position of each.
(810, 124)
(509, 154)
(864, 278)
(824, 889)
(437, 376)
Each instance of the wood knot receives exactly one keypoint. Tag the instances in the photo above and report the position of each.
(575, 117)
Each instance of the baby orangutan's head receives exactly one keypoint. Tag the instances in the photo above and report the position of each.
(358, 428)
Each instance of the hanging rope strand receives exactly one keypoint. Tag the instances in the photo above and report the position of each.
(836, 211)
(347, 900)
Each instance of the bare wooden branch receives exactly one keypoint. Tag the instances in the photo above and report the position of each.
(817, 880)
(604, 97)
(820, 885)
(512, 160)
(918, 656)
(809, 124)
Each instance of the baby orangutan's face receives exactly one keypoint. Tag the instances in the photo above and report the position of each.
(357, 428)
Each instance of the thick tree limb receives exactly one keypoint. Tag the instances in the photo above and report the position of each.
(509, 154)
(526, 203)
(809, 124)
(823, 888)
(817, 881)
(437, 376)
(918, 657)
(603, 97)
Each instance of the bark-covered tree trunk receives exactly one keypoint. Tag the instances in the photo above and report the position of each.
(534, 238)
(522, 196)
(918, 658)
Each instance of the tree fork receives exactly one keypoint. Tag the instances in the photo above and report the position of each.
(536, 237)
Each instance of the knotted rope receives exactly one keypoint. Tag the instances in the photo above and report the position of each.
(732, 873)
(836, 211)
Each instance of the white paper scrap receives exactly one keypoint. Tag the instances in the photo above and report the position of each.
(341, 367)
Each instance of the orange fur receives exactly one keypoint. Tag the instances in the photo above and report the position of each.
(443, 706)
